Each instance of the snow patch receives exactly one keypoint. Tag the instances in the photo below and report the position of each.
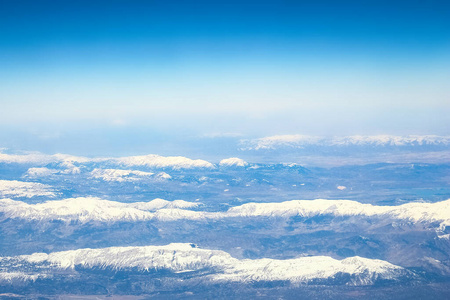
(14, 188)
(40, 172)
(11, 277)
(120, 175)
(35, 173)
(156, 161)
(157, 204)
(233, 162)
(94, 209)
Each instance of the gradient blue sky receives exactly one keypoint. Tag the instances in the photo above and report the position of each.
(76, 72)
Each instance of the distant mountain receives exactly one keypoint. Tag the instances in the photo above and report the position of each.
(301, 141)
(21, 189)
(149, 161)
(83, 226)
(208, 265)
(90, 209)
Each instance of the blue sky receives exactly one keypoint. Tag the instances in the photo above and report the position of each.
(152, 69)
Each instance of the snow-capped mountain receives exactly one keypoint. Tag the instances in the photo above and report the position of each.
(40, 159)
(415, 212)
(14, 188)
(148, 161)
(83, 225)
(299, 141)
(95, 209)
(120, 175)
(156, 161)
(40, 172)
(233, 162)
(158, 204)
(361, 271)
(88, 209)
(183, 257)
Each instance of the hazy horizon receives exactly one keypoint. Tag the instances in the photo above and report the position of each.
(85, 72)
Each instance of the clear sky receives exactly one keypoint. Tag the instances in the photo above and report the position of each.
(86, 71)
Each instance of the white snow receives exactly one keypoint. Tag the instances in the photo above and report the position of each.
(156, 161)
(150, 161)
(87, 209)
(40, 172)
(34, 158)
(163, 176)
(444, 236)
(276, 141)
(120, 175)
(158, 203)
(390, 140)
(74, 209)
(183, 257)
(305, 269)
(233, 162)
(416, 212)
(40, 159)
(299, 141)
(92, 209)
(174, 257)
(182, 214)
(34, 173)
(14, 188)
(21, 276)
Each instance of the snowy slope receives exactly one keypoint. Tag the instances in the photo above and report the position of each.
(14, 188)
(149, 161)
(158, 204)
(298, 141)
(41, 159)
(305, 269)
(88, 209)
(36, 173)
(95, 209)
(120, 175)
(415, 212)
(233, 162)
(156, 161)
(180, 257)
(75, 209)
